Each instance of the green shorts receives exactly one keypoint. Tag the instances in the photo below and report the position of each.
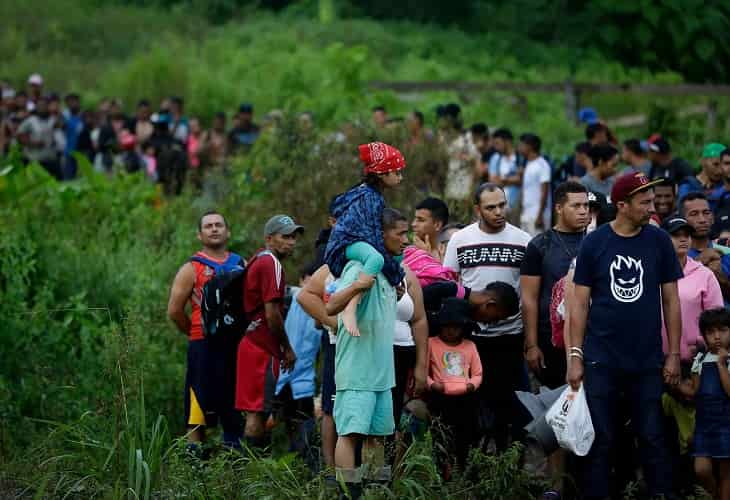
(364, 412)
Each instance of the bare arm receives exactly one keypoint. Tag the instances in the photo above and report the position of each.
(568, 300)
(311, 298)
(182, 289)
(578, 320)
(544, 188)
(275, 321)
(514, 180)
(530, 287)
(419, 328)
(673, 324)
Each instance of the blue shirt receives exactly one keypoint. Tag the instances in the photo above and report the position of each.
(724, 258)
(693, 185)
(305, 340)
(625, 276)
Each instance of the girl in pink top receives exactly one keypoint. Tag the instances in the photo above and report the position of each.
(455, 373)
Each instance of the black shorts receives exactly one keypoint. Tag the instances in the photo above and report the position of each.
(328, 376)
(210, 384)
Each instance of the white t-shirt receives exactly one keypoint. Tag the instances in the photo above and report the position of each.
(537, 173)
(460, 178)
(482, 258)
(702, 358)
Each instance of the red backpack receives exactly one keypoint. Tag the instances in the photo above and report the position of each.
(557, 321)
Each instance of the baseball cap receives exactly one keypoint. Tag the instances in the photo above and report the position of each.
(35, 79)
(713, 150)
(629, 184)
(588, 116)
(281, 224)
(245, 108)
(674, 224)
(659, 145)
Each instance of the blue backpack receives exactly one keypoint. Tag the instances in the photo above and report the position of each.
(221, 302)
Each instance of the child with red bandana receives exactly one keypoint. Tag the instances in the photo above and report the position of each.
(358, 234)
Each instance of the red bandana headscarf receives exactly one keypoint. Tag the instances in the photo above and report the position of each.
(380, 158)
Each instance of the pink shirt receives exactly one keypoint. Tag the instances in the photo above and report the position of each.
(429, 270)
(698, 291)
(193, 149)
(454, 366)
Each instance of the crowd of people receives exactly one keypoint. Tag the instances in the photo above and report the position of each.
(607, 272)
(614, 285)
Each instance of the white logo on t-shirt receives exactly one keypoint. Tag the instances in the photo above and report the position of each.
(627, 278)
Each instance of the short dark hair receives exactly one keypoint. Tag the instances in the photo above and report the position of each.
(634, 145)
(507, 296)
(694, 195)
(211, 212)
(602, 152)
(439, 210)
(143, 103)
(221, 115)
(391, 217)
(595, 128)
(583, 147)
(531, 140)
(725, 152)
(488, 187)
(379, 107)
(72, 95)
(178, 101)
(561, 192)
(419, 116)
(309, 269)
(711, 319)
(479, 129)
(667, 182)
(504, 134)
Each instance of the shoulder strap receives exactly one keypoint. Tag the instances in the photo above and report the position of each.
(206, 262)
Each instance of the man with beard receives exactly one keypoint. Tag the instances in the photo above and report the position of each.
(711, 176)
(626, 275)
(484, 252)
(211, 373)
(547, 259)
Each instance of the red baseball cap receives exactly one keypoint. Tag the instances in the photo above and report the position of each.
(629, 184)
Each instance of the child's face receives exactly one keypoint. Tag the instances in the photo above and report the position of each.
(717, 338)
(392, 179)
(451, 334)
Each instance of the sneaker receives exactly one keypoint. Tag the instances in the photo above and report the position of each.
(551, 495)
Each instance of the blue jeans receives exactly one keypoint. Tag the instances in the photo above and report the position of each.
(604, 386)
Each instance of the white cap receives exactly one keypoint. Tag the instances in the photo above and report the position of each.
(35, 79)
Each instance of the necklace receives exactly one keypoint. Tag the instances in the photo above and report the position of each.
(564, 246)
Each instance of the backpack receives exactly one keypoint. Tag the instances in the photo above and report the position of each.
(221, 303)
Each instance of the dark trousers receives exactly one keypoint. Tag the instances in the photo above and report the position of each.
(456, 430)
(604, 386)
(504, 371)
(405, 360)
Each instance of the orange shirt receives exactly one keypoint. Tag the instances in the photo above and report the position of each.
(203, 274)
(454, 366)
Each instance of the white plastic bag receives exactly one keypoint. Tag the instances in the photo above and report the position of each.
(571, 421)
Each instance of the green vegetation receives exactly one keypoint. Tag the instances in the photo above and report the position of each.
(92, 371)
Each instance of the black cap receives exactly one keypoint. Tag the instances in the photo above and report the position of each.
(245, 108)
(674, 224)
(454, 312)
(660, 145)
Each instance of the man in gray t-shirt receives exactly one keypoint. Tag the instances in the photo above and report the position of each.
(36, 134)
(601, 177)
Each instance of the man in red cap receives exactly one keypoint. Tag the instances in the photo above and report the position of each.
(626, 274)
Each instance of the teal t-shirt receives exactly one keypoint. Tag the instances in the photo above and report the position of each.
(365, 363)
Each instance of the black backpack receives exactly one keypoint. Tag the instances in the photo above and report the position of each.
(221, 303)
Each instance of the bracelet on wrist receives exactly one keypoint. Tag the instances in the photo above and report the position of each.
(576, 355)
(576, 349)
(530, 347)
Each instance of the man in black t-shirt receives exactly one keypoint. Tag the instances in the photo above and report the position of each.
(547, 259)
(625, 277)
(664, 164)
